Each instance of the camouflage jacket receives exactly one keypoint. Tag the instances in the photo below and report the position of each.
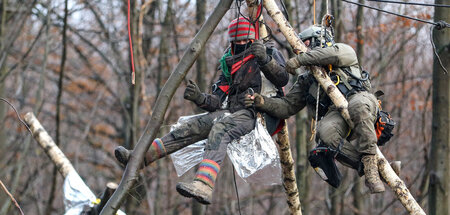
(303, 93)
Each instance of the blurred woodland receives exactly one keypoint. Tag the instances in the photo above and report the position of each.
(69, 63)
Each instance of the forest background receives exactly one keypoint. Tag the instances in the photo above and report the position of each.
(72, 69)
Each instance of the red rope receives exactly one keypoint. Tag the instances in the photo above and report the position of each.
(131, 45)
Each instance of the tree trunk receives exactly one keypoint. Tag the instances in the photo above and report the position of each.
(192, 52)
(302, 170)
(439, 200)
(357, 190)
(398, 186)
(286, 160)
(201, 64)
(287, 165)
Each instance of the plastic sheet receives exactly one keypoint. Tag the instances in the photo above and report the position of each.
(189, 156)
(77, 195)
(255, 157)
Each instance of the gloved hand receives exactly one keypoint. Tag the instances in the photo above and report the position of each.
(193, 93)
(292, 64)
(253, 100)
(259, 50)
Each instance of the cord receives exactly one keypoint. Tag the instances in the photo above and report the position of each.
(434, 49)
(411, 3)
(440, 23)
(237, 193)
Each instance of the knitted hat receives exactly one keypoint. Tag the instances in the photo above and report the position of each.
(241, 29)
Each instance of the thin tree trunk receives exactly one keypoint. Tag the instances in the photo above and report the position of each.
(439, 200)
(192, 52)
(357, 190)
(286, 160)
(302, 170)
(196, 207)
(49, 207)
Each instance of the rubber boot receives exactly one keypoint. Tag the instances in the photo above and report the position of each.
(156, 150)
(371, 172)
(203, 185)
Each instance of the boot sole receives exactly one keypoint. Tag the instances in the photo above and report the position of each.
(186, 192)
(120, 158)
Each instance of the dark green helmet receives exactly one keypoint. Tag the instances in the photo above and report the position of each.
(319, 36)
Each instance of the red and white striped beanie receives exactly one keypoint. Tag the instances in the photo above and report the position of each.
(241, 29)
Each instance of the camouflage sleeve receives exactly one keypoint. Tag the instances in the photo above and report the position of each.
(289, 105)
(339, 54)
(275, 70)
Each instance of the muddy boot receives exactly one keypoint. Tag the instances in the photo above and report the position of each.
(202, 187)
(371, 172)
(122, 154)
(156, 150)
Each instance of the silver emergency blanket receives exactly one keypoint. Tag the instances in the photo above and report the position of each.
(255, 157)
(189, 156)
(77, 195)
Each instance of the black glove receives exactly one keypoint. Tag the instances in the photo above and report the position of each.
(259, 50)
(255, 99)
(193, 93)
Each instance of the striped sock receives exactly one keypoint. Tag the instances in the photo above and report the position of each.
(157, 148)
(207, 172)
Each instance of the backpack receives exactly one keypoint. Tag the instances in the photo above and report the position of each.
(384, 127)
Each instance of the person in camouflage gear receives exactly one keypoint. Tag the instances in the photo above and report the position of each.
(248, 65)
(342, 63)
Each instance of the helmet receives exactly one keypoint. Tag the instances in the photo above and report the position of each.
(319, 36)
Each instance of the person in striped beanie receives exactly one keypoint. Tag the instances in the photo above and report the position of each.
(246, 64)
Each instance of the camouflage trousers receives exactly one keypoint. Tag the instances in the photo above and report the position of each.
(333, 129)
(219, 127)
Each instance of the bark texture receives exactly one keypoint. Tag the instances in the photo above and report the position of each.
(439, 199)
(398, 186)
(46, 142)
(287, 165)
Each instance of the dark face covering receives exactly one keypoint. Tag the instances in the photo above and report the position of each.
(239, 48)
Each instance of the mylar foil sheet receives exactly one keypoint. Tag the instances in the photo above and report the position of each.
(77, 194)
(255, 157)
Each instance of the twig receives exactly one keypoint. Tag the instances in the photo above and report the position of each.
(12, 197)
(17, 113)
